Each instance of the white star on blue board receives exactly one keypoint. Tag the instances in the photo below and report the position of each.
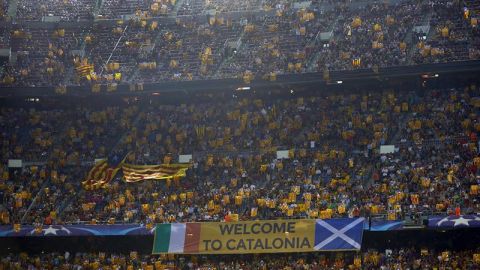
(461, 220)
(458, 221)
(50, 230)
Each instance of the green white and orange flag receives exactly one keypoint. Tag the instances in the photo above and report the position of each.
(178, 238)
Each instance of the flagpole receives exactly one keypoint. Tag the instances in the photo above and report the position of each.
(114, 48)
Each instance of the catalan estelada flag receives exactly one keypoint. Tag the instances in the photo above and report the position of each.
(101, 174)
(84, 68)
(97, 169)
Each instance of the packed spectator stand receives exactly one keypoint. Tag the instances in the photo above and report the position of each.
(409, 258)
(67, 10)
(334, 167)
(115, 42)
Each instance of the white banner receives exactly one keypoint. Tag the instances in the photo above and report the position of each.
(387, 149)
(282, 154)
(15, 163)
(184, 158)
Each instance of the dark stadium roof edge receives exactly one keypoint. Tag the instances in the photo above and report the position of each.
(390, 77)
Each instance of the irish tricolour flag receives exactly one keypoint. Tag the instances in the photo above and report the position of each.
(177, 238)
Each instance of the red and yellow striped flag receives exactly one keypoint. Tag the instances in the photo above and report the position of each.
(136, 173)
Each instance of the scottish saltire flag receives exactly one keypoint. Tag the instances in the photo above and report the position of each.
(338, 234)
(452, 222)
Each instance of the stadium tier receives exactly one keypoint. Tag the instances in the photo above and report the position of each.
(394, 259)
(121, 42)
(396, 154)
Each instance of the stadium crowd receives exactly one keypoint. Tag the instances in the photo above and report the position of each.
(376, 36)
(279, 39)
(334, 167)
(450, 37)
(391, 259)
(66, 10)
